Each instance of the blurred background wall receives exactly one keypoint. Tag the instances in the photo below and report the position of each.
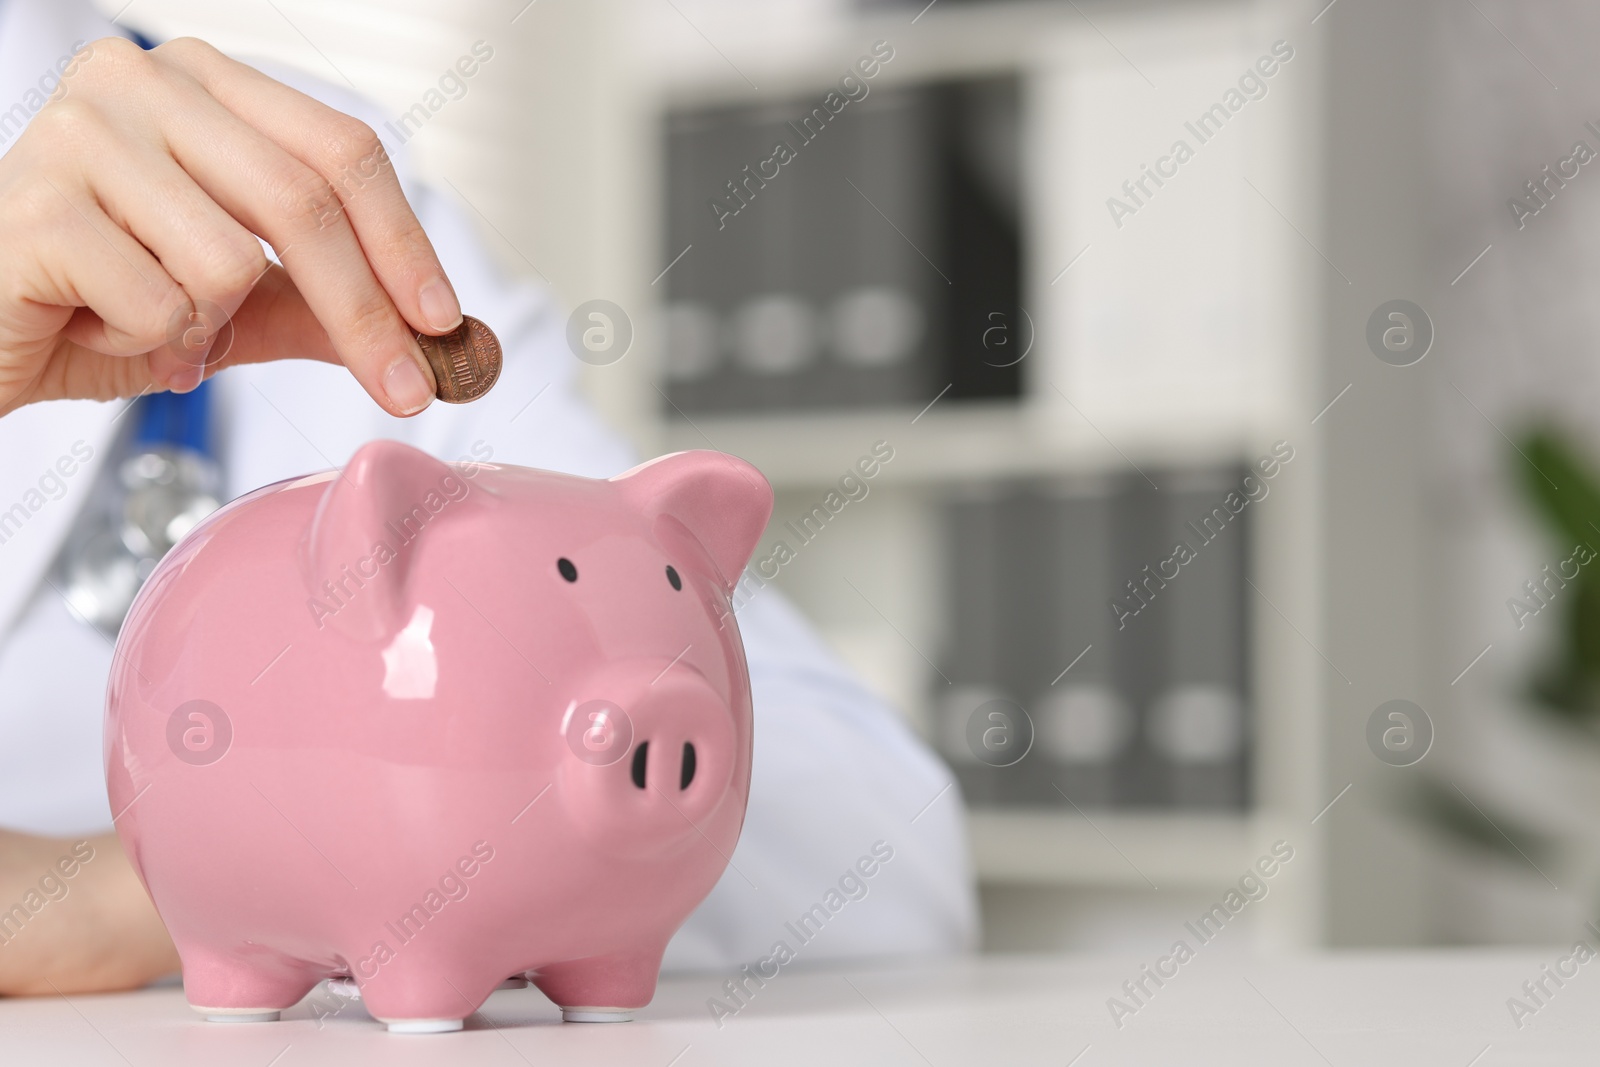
(1081, 283)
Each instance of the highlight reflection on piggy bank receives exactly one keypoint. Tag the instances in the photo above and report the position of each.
(430, 728)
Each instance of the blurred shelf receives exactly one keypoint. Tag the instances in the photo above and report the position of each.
(811, 52)
(1112, 849)
(966, 440)
(1095, 426)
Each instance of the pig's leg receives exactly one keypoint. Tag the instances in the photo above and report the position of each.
(602, 989)
(418, 992)
(227, 989)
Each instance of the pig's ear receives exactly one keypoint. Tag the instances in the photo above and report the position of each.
(722, 501)
(363, 537)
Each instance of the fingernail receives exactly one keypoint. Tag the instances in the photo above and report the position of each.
(407, 386)
(186, 380)
(439, 305)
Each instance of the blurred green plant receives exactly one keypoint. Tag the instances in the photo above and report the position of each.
(1563, 485)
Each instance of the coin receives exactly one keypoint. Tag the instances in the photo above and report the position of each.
(465, 361)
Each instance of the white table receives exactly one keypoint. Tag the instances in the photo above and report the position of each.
(1437, 1008)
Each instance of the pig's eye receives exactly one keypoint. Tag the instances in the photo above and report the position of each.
(568, 571)
(672, 576)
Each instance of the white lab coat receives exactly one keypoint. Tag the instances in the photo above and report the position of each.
(835, 770)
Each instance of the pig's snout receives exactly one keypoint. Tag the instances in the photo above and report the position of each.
(651, 757)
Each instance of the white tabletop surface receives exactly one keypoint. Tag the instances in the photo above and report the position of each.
(1446, 1007)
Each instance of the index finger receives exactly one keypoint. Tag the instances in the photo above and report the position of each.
(350, 157)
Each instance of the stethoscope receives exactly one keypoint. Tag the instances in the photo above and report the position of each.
(144, 503)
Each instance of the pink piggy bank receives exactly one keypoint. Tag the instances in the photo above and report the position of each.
(428, 728)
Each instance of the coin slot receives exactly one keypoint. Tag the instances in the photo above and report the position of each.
(687, 774)
(640, 756)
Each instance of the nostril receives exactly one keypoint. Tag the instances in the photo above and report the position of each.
(688, 765)
(640, 755)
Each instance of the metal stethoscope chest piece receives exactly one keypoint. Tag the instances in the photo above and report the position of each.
(163, 485)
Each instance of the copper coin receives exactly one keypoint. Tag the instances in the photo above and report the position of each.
(465, 361)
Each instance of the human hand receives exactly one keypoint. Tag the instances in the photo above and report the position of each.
(129, 212)
(86, 924)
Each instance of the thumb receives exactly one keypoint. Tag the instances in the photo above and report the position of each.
(274, 322)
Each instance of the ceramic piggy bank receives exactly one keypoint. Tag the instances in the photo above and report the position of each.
(427, 728)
